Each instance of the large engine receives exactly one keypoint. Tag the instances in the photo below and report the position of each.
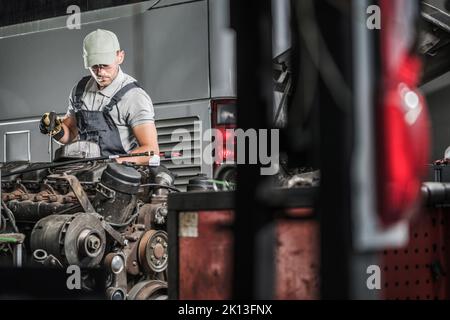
(90, 214)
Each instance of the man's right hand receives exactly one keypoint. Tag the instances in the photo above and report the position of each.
(51, 125)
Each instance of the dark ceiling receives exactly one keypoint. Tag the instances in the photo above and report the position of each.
(19, 11)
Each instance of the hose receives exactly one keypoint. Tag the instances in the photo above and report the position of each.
(160, 186)
(7, 240)
(10, 216)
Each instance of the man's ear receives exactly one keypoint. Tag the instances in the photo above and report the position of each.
(120, 56)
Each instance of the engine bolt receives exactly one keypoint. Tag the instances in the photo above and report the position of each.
(93, 242)
(163, 211)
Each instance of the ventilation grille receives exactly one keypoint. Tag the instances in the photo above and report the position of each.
(188, 165)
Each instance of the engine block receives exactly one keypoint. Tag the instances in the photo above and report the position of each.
(94, 214)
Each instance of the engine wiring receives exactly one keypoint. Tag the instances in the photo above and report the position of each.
(10, 215)
(227, 185)
(5, 244)
(1, 222)
(160, 186)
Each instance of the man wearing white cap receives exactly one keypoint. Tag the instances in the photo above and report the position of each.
(108, 107)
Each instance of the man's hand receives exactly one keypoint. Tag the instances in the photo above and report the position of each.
(50, 124)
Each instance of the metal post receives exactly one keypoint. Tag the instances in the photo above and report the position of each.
(254, 235)
(330, 27)
(18, 255)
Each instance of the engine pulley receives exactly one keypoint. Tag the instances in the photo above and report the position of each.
(77, 239)
(152, 252)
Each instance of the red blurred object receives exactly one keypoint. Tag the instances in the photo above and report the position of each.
(224, 119)
(169, 154)
(402, 117)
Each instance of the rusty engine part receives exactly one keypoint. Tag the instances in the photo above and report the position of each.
(152, 249)
(98, 214)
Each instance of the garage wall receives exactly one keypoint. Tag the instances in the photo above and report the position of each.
(166, 51)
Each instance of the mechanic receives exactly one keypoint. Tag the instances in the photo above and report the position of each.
(108, 107)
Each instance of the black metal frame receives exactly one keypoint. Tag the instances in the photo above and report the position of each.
(336, 138)
(216, 201)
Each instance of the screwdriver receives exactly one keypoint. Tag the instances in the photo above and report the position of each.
(51, 127)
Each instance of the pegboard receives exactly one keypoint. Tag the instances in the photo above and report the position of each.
(418, 271)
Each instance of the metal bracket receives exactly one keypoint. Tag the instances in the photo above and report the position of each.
(105, 191)
(77, 189)
(113, 233)
(82, 197)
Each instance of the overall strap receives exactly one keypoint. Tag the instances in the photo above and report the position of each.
(78, 93)
(119, 94)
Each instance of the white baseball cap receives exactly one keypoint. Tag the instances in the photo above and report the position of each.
(100, 47)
